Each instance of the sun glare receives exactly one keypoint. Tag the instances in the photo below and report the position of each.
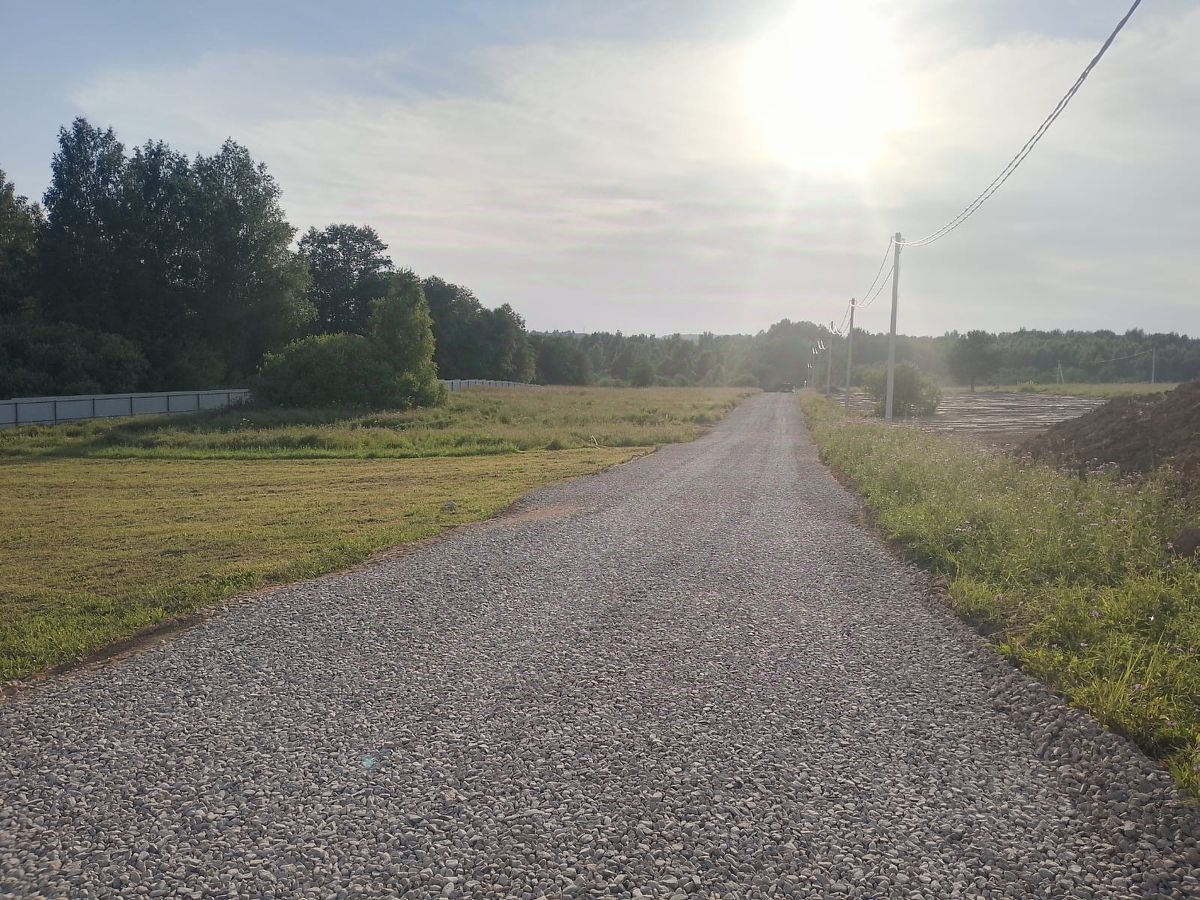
(826, 87)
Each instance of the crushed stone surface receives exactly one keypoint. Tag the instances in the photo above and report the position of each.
(697, 675)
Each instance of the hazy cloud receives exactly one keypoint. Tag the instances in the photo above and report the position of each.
(621, 184)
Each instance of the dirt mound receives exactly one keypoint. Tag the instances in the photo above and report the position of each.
(1135, 434)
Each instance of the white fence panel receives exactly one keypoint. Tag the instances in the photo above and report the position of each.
(458, 384)
(54, 410)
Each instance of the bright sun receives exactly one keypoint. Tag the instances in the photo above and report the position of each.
(826, 87)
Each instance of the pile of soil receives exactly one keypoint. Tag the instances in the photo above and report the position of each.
(1135, 434)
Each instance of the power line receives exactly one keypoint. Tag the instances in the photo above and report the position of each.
(867, 295)
(871, 299)
(886, 250)
(1102, 362)
(1016, 161)
(845, 319)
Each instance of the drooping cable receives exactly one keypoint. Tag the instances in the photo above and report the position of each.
(1016, 161)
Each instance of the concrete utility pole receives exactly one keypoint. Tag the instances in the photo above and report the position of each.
(849, 354)
(829, 363)
(891, 370)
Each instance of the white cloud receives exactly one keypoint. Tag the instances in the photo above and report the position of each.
(622, 184)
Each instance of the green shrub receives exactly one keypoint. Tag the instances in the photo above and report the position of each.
(389, 368)
(913, 394)
(325, 370)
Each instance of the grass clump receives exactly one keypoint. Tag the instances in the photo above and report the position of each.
(1070, 575)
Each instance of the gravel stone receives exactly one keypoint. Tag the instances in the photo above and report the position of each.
(695, 675)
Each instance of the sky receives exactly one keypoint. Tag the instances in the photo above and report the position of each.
(676, 166)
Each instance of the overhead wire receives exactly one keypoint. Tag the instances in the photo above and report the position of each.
(882, 263)
(872, 298)
(1013, 164)
(998, 182)
(841, 329)
(875, 288)
(1103, 362)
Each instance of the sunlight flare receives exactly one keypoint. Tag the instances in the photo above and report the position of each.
(826, 87)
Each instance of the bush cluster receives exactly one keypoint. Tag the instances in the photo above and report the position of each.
(390, 367)
(912, 393)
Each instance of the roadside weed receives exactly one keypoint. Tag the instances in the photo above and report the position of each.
(1070, 575)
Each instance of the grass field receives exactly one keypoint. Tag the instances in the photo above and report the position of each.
(1072, 576)
(476, 422)
(1107, 391)
(108, 528)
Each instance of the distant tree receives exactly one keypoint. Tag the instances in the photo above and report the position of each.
(348, 266)
(473, 341)
(157, 262)
(561, 359)
(642, 374)
(457, 331)
(39, 358)
(191, 260)
(79, 248)
(507, 353)
(20, 222)
(401, 330)
(973, 357)
(251, 287)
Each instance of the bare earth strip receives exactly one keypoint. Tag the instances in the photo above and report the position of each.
(694, 675)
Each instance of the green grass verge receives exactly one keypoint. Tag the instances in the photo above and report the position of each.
(1070, 576)
(471, 423)
(1107, 391)
(107, 528)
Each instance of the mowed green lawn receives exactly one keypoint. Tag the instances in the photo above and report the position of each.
(109, 528)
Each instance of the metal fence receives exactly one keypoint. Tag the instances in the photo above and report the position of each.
(54, 410)
(458, 384)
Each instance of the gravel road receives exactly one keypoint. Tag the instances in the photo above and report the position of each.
(695, 675)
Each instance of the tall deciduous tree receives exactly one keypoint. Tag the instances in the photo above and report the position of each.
(507, 354)
(456, 315)
(973, 357)
(249, 294)
(349, 268)
(401, 331)
(19, 224)
(192, 260)
(157, 268)
(79, 250)
(475, 342)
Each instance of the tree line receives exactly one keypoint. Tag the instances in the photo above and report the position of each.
(783, 354)
(150, 270)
